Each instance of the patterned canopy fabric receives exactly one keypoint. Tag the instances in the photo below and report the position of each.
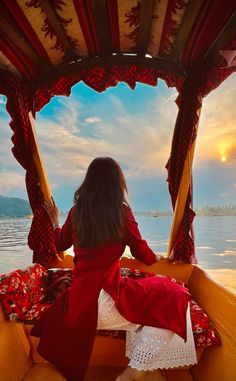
(47, 46)
(38, 37)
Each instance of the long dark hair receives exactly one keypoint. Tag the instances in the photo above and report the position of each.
(100, 199)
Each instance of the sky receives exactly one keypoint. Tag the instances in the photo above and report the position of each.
(135, 128)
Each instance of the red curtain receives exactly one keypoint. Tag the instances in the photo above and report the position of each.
(20, 101)
(200, 82)
(101, 78)
(189, 102)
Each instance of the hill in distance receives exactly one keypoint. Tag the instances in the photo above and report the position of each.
(14, 207)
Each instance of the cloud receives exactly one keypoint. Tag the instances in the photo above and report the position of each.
(216, 137)
(138, 137)
(139, 142)
(7, 159)
(93, 119)
(11, 180)
(224, 194)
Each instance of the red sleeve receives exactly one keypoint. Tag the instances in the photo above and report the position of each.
(138, 246)
(63, 236)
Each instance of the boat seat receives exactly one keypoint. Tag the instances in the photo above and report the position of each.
(216, 363)
(39, 372)
(27, 293)
(19, 363)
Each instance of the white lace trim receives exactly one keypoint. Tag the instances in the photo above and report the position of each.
(109, 317)
(148, 348)
(151, 348)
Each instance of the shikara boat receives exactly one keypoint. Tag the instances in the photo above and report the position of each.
(48, 46)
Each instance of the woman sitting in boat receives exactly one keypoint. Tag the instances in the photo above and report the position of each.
(153, 310)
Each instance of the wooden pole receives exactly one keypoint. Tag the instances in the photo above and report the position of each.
(181, 198)
(63, 260)
(38, 160)
(182, 193)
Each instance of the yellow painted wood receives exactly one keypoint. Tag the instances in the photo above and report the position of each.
(14, 363)
(181, 198)
(98, 373)
(43, 372)
(181, 272)
(38, 160)
(66, 262)
(180, 375)
(21, 331)
(157, 375)
(219, 303)
(218, 364)
(41, 171)
(40, 372)
(33, 342)
(2, 314)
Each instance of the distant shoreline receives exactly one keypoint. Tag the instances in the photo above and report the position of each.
(11, 207)
(198, 213)
(137, 213)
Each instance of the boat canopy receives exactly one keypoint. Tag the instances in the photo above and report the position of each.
(48, 46)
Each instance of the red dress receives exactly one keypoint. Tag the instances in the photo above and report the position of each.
(68, 327)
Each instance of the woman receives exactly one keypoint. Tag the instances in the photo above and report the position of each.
(99, 226)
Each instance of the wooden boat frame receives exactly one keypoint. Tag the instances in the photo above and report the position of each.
(191, 56)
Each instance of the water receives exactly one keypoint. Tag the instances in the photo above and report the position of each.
(215, 240)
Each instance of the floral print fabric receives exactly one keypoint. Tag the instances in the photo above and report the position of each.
(26, 294)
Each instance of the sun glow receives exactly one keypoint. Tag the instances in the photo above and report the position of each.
(223, 149)
(223, 159)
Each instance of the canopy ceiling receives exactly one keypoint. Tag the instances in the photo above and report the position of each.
(43, 39)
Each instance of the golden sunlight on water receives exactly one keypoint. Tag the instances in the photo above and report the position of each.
(225, 277)
(215, 246)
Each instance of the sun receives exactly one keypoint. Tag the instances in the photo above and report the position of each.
(222, 150)
(223, 159)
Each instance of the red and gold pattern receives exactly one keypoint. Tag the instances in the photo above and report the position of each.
(133, 20)
(48, 29)
(173, 19)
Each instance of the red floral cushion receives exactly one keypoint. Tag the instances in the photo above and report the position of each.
(204, 332)
(26, 294)
(22, 293)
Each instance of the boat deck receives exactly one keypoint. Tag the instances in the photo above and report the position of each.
(40, 372)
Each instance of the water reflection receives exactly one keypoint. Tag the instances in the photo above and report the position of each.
(215, 240)
(14, 250)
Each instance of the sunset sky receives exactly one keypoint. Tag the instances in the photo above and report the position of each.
(135, 128)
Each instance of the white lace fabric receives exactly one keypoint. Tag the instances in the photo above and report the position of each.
(148, 348)
(151, 348)
(109, 317)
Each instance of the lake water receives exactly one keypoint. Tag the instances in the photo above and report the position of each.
(215, 238)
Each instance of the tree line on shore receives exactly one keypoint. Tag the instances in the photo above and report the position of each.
(14, 207)
(17, 207)
(203, 211)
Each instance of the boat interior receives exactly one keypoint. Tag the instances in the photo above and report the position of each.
(46, 47)
(21, 362)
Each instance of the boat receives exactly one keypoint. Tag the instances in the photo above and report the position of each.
(48, 46)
